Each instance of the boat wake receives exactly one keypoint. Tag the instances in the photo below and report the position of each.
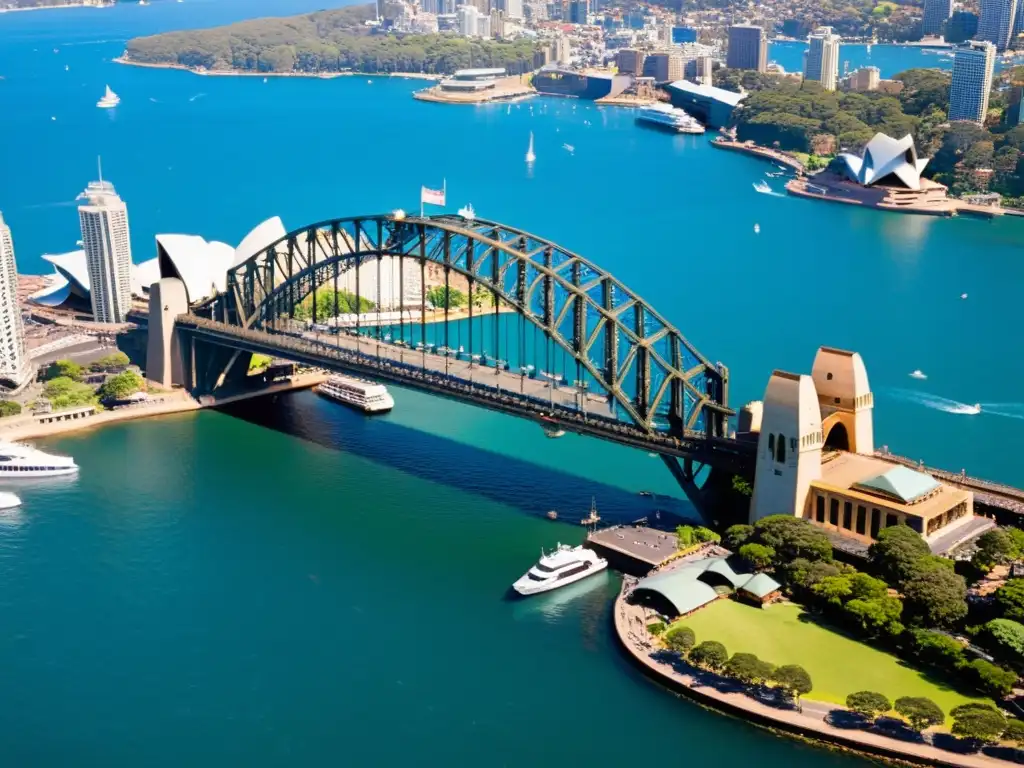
(945, 404)
(197, 96)
(764, 189)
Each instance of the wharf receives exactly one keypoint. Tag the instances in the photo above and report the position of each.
(625, 101)
(505, 90)
(765, 153)
(633, 549)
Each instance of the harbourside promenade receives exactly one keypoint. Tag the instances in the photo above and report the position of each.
(238, 73)
(809, 721)
(765, 153)
(830, 188)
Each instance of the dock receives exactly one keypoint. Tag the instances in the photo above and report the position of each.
(506, 89)
(633, 549)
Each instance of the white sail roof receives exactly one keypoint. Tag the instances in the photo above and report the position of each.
(264, 234)
(72, 267)
(883, 157)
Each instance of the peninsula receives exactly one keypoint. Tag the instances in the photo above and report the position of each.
(325, 42)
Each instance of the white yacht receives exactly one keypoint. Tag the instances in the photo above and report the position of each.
(9, 500)
(672, 118)
(25, 461)
(110, 99)
(556, 569)
(367, 396)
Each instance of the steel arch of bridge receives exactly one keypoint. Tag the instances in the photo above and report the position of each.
(645, 364)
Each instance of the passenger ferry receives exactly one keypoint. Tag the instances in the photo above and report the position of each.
(670, 118)
(364, 395)
(25, 461)
(557, 569)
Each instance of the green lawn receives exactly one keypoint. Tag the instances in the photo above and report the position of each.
(838, 665)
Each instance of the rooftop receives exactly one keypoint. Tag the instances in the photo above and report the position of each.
(708, 91)
(684, 587)
(900, 483)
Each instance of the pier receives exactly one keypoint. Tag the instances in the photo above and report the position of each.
(633, 549)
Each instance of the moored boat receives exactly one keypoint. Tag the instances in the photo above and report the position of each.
(25, 461)
(367, 396)
(563, 566)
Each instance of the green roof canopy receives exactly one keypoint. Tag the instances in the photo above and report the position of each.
(761, 585)
(900, 483)
(684, 589)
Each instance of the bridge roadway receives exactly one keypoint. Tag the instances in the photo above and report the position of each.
(504, 391)
(999, 497)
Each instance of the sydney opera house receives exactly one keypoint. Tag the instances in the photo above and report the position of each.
(203, 268)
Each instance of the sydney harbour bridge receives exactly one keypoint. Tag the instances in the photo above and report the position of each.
(497, 317)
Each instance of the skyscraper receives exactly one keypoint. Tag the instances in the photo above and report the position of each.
(578, 11)
(997, 22)
(936, 13)
(748, 48)
(972, 81)
(14, 365)
(823, 58)
(108, 251)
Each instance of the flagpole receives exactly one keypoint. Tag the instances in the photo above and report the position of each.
(421, 202)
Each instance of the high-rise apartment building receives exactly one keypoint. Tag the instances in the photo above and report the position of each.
(664, 67)
(629, 61)
(863, 79)
(108, 251)
(704, 67)
(972, 81)
(578, 11)
(997, 22)
(748, 48)
(14, 363)
(936, 13)
(513, 8)
(823, 58)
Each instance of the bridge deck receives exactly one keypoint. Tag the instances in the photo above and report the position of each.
(502, 391)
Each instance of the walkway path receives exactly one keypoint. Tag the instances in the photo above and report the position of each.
(630, 626)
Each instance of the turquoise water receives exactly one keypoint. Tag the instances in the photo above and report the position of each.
(213, 590)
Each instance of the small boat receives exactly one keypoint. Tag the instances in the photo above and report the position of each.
(552, 515)
(9, 500)
(963, 295)
(67, 68)
(557, 569)
(109, 100)
(264, 79)
(530, 155)
(919, 374)
(646, 494)
(554, 432)
(757, 229)
(976, 408)
(569, 148)
(762, 187)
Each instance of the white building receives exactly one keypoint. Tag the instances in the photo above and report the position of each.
(972, 81)
(823, 58)
(108, 251)
(704, 67)
(513, 9)
(562, 50)
(14, 364)
(997, 22)
(888, 160)
(469, 20)
(483, 26)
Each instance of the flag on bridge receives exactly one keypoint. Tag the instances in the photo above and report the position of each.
(432, 196)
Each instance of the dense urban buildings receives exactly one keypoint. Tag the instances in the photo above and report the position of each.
(14, 364)
(823, 58)
(704, 68)
(936, 13)
(578, 11)
(629, 61)
(664, 67)
(748, 48)
(972, 81)
(863, 79)
(997, 22)
(684, 35)
(108, 251)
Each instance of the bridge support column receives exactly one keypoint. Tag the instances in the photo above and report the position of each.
(714, 498)
(164, 355)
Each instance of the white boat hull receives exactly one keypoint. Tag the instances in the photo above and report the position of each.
(526, 587)
(20, 474)
(364, 408)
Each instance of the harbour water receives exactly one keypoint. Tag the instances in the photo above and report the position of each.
(296, 584)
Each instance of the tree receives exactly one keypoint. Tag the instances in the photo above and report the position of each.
(702, 535)
(1010, 599)
(792, 537)
(978, 724)
(992, 679)
(937, 649)
(865, 587)
(920, 712)
(121, 386)
(1004, 638)
(794, 680)
(9, 408)
(63, 368)
(112, 361)
(440, 297)
(1017, 539)
(895, 552)
(747, 668)
(680, 639)
(710, 654)
(1014, 732)
(742, 487)
(736, 536)
(936, 598)
(759, 556)
(834, 590)
(684, 536)
(995, 547)
(868, 704)
(876, 617)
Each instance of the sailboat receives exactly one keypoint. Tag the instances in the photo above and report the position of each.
(530, 156)
(110, 99)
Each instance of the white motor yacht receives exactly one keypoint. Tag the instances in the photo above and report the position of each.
(9, 500)
(556, 569)
(25, 461)
(367, 396)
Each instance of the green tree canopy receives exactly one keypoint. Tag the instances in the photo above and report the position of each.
(1010, 599)
(936, 598)
(895, 553)
(937, 649)
(437, 297)
(1004, 639)
(982, 725)
(747, 668)
(920, 712)
(995, 547)
(710, 654)
(736, 536)
(868, 703)
(1014, 732)
(680, 639)
(9, 408)
(759, 556)
(992, 679)
(121, 386)
(63, 369)
(114, 360)
(793, 679)
(792, 537)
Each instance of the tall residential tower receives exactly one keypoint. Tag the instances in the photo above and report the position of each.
(972, 81)
(748, 48)
(936, 14)
(14, 364)
(997, 22)
(823, 58)
(108, 251)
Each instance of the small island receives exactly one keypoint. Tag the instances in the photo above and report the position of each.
(325, 43)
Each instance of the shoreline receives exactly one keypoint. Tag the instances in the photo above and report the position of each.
(789, 723)
(238, 73)
(56, 7)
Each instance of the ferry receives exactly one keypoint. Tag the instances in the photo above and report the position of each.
(557, 569)
(110, 99)
(670, 118)
(367, 396)
(25, 461)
